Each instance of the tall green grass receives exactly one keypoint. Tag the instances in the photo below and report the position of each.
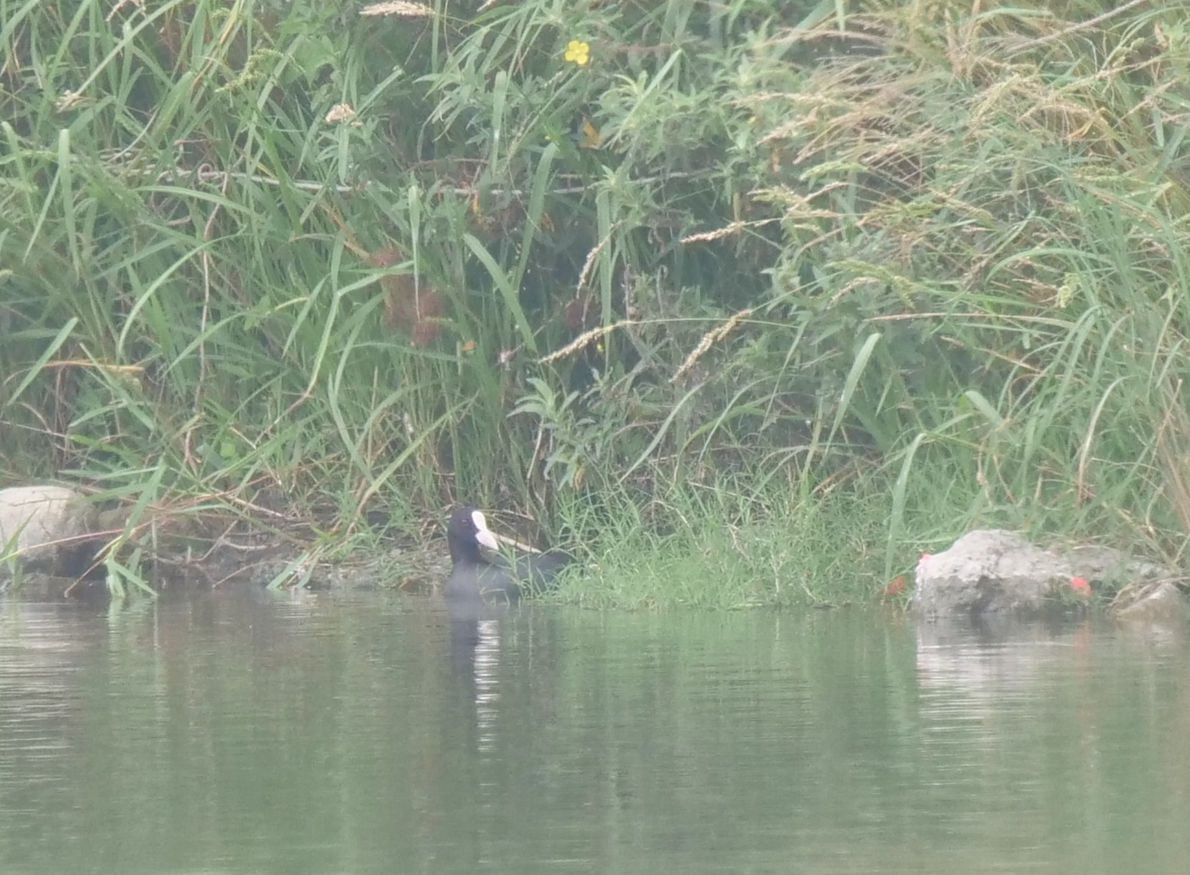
(992, 209)
(750, 269)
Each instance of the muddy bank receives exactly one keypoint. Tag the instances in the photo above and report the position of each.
(409, 567)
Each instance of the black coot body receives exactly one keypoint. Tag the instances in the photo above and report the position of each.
(474, 576)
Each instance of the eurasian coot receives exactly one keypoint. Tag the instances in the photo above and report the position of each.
(475, 576)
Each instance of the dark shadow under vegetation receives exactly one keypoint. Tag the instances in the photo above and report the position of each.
(750, 301)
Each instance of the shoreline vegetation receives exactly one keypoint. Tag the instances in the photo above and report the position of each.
(747, 303)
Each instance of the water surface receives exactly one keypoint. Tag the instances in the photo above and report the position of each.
(238, 732)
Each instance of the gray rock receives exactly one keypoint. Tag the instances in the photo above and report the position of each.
(1105, 565)
(988, 571)
(1159, 605)
(44, 526)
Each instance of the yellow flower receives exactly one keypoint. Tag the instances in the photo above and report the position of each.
(578, 52)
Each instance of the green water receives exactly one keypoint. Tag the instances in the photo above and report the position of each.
(239, 733)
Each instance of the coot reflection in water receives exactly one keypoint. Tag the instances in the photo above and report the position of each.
(483, 589)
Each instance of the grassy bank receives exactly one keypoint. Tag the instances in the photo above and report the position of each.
(718, 550)
(788, 291)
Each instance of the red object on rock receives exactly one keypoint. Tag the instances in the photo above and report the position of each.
(1080, 586)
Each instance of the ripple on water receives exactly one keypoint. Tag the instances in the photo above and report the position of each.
(333, 733)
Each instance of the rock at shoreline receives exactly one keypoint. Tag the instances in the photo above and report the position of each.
(1158, 605)
(48, 526)
(993, 572)
(987, 571)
